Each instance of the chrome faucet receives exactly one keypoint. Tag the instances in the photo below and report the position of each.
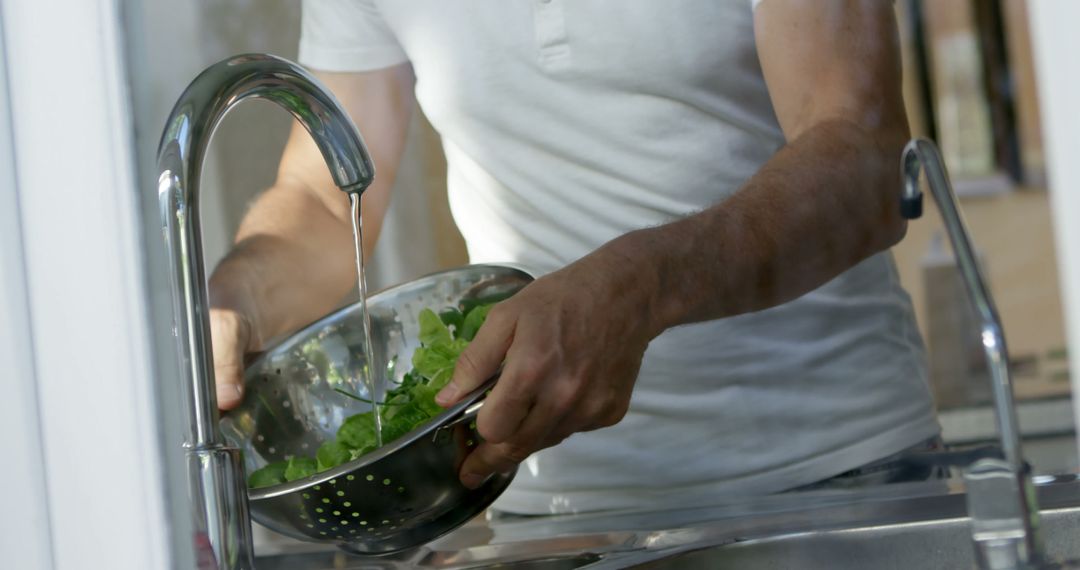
(217, 487)
(1000, 495)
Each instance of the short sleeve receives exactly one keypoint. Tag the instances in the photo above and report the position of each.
(346, 35)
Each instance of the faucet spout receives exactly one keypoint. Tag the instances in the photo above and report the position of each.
(216, 475)
(1018, 499)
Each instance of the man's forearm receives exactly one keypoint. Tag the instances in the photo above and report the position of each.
(824, 202)
(291, 262)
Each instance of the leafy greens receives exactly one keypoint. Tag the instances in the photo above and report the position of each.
(443, 337)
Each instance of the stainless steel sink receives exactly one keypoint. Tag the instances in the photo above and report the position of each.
(901, 526)
(944, 544)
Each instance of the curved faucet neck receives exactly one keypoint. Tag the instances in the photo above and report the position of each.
(180, 155)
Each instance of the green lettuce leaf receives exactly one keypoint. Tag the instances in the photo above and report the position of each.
(272, 474)
(473, 320)
(300, 467)
(331, 454)
(357, 431)
(432, 330)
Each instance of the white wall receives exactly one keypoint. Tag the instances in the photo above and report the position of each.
(1057, 43)
(24, 539)
(84, 302)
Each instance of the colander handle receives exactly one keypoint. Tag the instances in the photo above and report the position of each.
(479, 396)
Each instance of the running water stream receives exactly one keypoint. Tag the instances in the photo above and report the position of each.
(376, 383)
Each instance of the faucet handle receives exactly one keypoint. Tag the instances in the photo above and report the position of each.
(911, 207)
(1004, 536)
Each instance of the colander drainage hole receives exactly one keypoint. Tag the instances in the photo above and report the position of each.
(385, 481)
(272, 450)
(370, 477)
(286, 404)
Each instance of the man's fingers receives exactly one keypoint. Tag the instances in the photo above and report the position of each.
(229, 336)
(490, 458)
(481, 359)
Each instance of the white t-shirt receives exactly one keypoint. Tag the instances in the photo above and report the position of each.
(568, 123)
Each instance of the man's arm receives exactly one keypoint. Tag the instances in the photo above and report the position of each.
(573, 340)
(291, 262)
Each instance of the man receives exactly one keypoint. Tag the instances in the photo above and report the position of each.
(708, 189)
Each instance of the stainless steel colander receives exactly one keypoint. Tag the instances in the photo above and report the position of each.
(404, 494)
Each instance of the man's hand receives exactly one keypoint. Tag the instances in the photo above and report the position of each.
(233, 328)
(231, 337)
(572, 342)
